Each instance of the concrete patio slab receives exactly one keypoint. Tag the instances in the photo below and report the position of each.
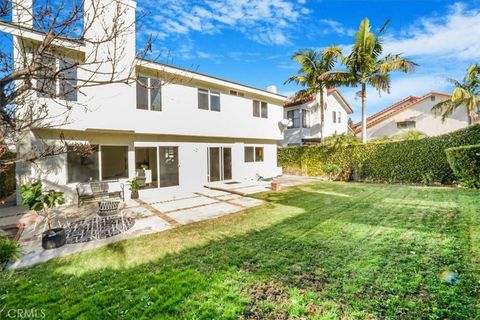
(210, 211)
(156, 215)
(241, 188)
(34, 253)
(194, 201)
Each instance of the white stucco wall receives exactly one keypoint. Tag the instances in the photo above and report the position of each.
(107, 114)
(192, 154)
(426, 122)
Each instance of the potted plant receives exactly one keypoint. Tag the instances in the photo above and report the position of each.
(42, 202)
(134, 186)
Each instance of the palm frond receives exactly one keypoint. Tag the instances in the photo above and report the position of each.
(339, 77)
(445, 108)
(460, 94)
(384, 27)
(381, 82)
(307, 92)
(473, 73)
(298, 79)
(395, 62)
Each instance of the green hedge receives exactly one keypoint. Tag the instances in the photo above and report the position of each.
(7, 177)
(465, 164)
(416, 161)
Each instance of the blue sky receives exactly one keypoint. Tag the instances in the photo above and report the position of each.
(251, 41)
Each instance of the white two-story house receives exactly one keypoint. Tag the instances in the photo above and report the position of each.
(176, 138)
(413, 113)
(304, 118)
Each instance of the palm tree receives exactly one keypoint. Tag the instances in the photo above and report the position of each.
(313, 64)
(365, 65)
(466, 93)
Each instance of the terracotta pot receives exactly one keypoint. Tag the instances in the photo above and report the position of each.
(275, 186)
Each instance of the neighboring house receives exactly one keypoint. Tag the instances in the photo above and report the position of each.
(304, 118)
(177, 138)
(413, 113)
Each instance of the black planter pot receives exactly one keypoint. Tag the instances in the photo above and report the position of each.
(53, 238)
(134, 194)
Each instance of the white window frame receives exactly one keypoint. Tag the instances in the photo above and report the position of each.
(306, 116)
(254, 148)
(57, 84)
(257, 107)
(292, 126)
(210, 93)
(148, 88)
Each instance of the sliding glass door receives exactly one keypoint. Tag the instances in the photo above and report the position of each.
(168, 159)
(219, 164)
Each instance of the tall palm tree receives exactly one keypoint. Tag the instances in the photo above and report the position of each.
(366, 65)
(313, 64)
(466, 93)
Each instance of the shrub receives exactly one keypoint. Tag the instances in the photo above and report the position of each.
(411, 161)
(41, 202)
(9, 249)
(465, 164)
(333, 171)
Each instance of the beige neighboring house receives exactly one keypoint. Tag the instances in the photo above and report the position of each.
(413, 113)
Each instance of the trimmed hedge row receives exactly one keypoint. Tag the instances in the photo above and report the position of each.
(7, 177)
(465, 163)
(415, 161)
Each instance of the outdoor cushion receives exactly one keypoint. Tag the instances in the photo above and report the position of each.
(84, 189)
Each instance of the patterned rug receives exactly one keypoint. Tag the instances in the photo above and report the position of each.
(97, 228)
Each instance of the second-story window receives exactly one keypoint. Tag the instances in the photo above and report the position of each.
(260, 109)
(334, 114)
(149, 94)
(306, 118)
(294, 117)
(57, 79)
(208, 100)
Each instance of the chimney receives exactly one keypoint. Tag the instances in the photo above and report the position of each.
(22, 13)
(272, 89)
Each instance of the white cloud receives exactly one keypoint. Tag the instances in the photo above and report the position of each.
(264, 21)
(332, 26)
(455, 35)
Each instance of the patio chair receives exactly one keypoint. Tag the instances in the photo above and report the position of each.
(108, 207)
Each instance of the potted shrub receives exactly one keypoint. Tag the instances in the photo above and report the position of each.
(42, 202)
(134, 186)
(9, 249)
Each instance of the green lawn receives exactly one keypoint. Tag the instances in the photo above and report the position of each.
(318, 251)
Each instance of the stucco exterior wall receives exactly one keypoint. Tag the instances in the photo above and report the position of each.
(192, 154)
(426, 122)
(294, 136)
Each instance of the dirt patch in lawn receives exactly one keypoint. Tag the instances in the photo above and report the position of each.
(268, 301)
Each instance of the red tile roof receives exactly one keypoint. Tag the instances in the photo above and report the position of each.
(394, 109)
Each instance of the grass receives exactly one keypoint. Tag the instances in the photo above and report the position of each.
(318, 251)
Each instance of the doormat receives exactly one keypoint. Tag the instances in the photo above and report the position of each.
(232, 182)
